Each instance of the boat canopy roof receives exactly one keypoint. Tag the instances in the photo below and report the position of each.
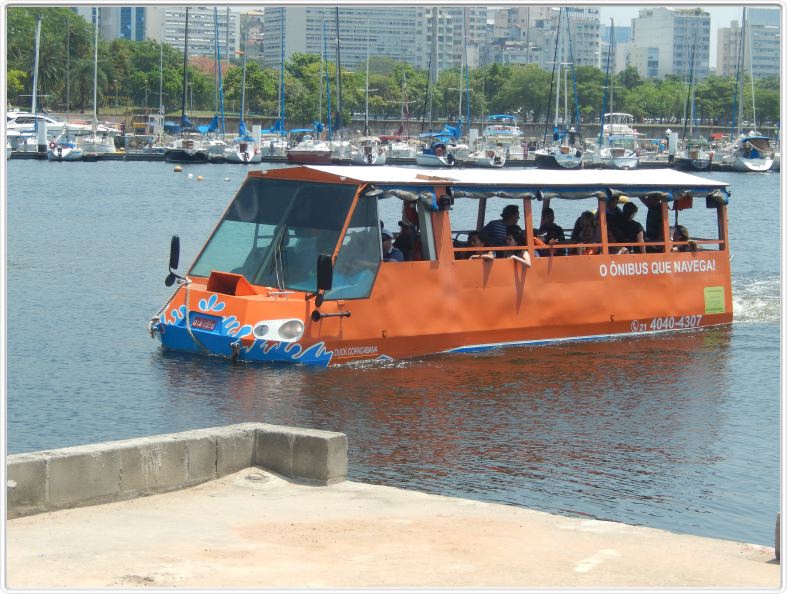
(538, 182)
(501, 116)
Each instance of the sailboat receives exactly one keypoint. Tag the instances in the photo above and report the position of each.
(243, 149)
(695, 154)
(64, 148)
(98, 141)
(273, 140)
(563, 153)
(189, 148)
(752, 151)
(369, 150)
(437, 153)
(400, 147)
(306, 145)
(213, 133)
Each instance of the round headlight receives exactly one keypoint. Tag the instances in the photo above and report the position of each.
(260, 330)
(291, 330)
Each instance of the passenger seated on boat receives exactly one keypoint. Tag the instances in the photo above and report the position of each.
(407, 240)
(474, 240)
(515, 238)
(653, 222)
(612, 237)
(390, 253)
(631, 230)
(614, 214)
(681, 234)
(587, 218)
(551, 233)
(586, 235)
(494, 232)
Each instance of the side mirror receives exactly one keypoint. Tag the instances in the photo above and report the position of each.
(174, 258)
(324, 272)
(174, 252)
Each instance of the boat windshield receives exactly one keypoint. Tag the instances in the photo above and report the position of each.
(274, 230)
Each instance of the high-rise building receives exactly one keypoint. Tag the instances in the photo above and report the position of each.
(527, 35)
(393, 32)
(117, 22)
(679, 35)
(761, 53)
(167, 24)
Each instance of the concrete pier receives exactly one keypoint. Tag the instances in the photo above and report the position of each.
(118, 470)
(253, 528)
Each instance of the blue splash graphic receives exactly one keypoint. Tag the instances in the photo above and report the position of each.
(212, 304)
(293, 352)
(232, 327)
(232, 330)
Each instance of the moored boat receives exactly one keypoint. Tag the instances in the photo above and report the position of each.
(189, 148)
(294, 270)
(435, 155)
(559, 156)
(243, 150)
(307, 148)
(696, 156)
(749, 152)
(63, 148)
(488, 156)
(369, 152)
(503, 131)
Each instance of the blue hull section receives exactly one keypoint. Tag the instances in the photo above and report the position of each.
(226, 333)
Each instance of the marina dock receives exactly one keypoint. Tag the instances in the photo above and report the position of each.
(268, 506)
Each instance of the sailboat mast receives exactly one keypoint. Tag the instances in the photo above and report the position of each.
(338, 77)
(161, 73)
(462, 66)
(68, 66)
(216, 58)
(243, 85)
(327, 83)
(221, 81)
(35, 68)
(281, 72)
(751, 78)
(559, 60)
(610, 61)
(433, 67)
(366, 112)
(741, 69)
(95, 72)
(185, 66)
(322, 72)
(691, 92)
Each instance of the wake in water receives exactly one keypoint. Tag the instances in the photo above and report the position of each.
(757, 300)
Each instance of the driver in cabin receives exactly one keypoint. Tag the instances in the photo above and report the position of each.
(390, 253)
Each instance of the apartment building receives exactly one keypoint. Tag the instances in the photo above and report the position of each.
(167, 24)
(527, 35)
(762, 51)
(676, 34)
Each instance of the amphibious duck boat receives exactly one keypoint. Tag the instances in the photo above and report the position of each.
(294, 270)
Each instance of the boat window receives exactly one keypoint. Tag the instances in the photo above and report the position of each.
(360, 254)
(274, 230)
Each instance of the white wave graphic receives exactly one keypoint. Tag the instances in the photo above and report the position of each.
(757, 300)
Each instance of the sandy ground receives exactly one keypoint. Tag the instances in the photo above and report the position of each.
(255, 530)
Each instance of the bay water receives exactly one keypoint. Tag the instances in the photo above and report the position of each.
(675, 431)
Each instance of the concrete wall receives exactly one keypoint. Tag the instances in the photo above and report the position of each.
(113, 471)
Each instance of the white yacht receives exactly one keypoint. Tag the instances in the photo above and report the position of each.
(369, 152)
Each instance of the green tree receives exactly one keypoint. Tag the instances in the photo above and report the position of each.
(15, 84)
